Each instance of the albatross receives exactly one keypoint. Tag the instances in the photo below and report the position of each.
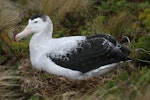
(74, 57)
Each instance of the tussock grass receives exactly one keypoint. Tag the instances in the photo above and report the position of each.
(57, 8)
(9, 18)
(6, 4)
(61, 7)
(134, 95)
(115, 25)
(9, 15)
(11, 50)
(8, 84)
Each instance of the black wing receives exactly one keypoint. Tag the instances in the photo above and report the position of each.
(95, 51)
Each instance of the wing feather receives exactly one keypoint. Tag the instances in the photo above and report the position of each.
(91, 53)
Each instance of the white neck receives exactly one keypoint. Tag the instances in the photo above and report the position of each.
(47, 32)
(39, 40)
(37, 45)
(42, 35)
(49, 28)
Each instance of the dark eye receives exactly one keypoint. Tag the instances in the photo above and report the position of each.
(36, 22)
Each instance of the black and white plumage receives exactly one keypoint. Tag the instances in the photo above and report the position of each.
(75, 57)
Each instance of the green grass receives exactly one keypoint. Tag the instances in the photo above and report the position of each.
(116, 25)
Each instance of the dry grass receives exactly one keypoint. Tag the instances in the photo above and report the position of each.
(50, 86)
(6, 4)
(9, 15)
(61, 7)
(8, 84)
(46, 86)
(57, 8)
(145, 95)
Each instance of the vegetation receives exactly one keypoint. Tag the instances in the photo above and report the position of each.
(126, 20)
(144, 17)
(116, 25)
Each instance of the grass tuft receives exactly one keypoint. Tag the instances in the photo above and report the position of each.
(8, 84)
(61, 7)
(9, 15)
(115, 25)
(57, 8)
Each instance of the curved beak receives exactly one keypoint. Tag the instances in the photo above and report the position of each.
(24, 33)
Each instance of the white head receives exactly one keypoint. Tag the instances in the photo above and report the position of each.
(37, 24)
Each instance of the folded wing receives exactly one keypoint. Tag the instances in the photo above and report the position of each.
(93, 52)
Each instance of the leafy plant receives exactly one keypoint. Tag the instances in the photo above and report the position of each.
(145, 18)
(75, 23)
(117, 6)
(112, 6)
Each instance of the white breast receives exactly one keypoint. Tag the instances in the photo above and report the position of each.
(39, 48)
